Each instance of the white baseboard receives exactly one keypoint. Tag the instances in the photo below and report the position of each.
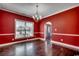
(53, 42)
(76, 48)
(66, 45)
(6, 44)
(42, 39)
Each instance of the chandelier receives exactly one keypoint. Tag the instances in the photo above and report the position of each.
(37, 16)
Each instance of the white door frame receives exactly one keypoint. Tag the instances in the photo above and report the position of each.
(47, 23)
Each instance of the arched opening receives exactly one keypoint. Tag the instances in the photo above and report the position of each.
(47, 37)
(48, 31)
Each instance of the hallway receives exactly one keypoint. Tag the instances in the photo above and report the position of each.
(36, 48)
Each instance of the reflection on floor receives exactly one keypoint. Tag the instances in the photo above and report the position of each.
(36, 48)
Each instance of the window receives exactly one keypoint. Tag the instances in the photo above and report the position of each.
(23, 29)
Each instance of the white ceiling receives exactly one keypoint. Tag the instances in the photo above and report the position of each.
(29, 9)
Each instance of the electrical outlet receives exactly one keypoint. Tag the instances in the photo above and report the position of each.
(12, 39)
(61, 39)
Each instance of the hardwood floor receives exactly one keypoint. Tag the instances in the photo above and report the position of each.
(36, 48)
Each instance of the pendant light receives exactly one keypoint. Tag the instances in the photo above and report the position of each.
(37, 16)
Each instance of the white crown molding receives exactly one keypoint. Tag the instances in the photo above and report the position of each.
(42, 17)
(61, 11)
(1, 8)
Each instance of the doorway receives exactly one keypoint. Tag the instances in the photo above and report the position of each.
(48, 32)
(47, 37)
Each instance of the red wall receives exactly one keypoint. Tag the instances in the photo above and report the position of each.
(7, 25)
(66, 22)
